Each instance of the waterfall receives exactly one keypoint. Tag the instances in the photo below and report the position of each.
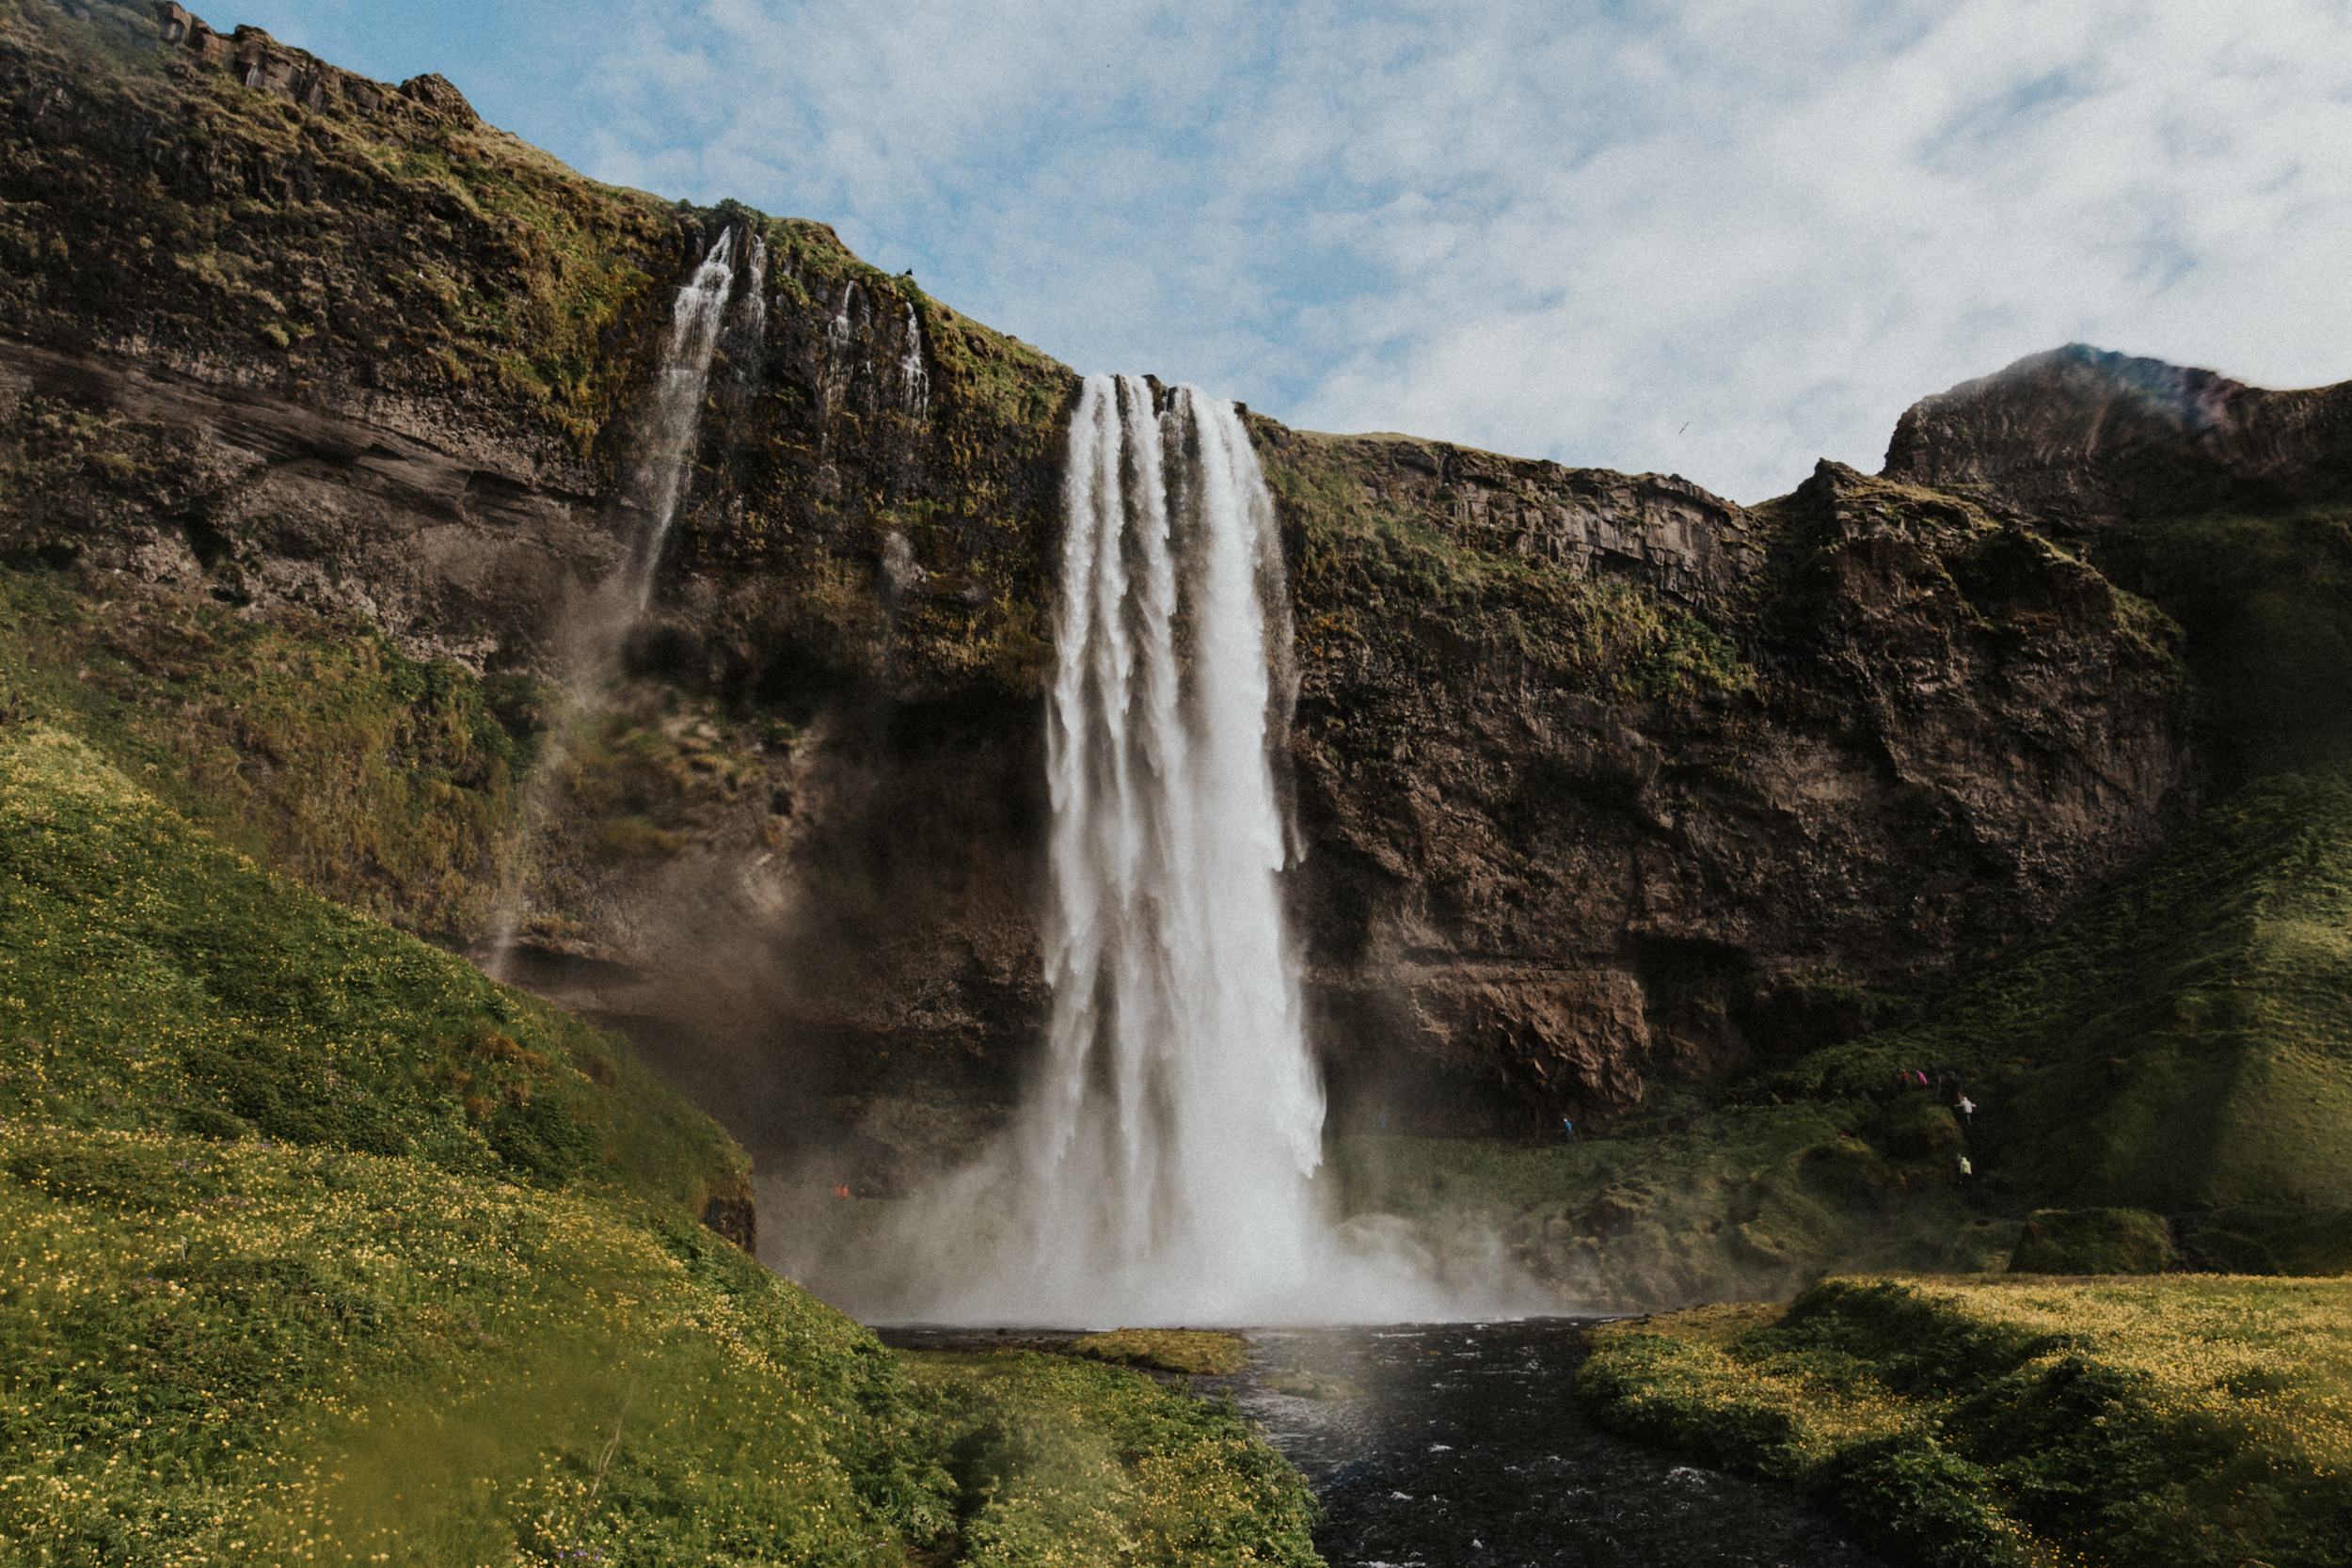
(1169, 1147)
(678, 406)
(1161, 1167)
(915, 383)
(594, 643)
(755, 307)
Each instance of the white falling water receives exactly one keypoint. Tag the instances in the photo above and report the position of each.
(1162, 1166)
(677, 412)
(1180, 1118)
(595, 636)
(915, 383)
(756, 304)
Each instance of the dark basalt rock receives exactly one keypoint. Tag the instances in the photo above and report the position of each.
(2084, 439)
(1521, 898)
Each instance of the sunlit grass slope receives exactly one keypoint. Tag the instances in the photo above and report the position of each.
(2203, 1420)
(248, 1352)
(323, 1248)
(152, 980)
(321, 1241)
(314, 744)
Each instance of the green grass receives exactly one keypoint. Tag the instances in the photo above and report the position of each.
(151, 980)
(1062, 1461)
(255, 1353)
(2191, 1421)
(314, 745)
(2093, 1241)
(2182, 1040)
(323, 1244)
(1171, 1350)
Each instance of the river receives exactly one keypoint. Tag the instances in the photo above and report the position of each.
(1466, 1450)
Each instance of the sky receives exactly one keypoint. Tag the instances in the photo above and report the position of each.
(1718, 238)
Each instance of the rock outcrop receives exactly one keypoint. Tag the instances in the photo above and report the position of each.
(2080, 439)
(1939, 729)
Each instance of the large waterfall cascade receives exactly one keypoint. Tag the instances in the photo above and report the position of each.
(1169, 1147)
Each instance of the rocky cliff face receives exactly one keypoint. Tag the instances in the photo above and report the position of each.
(2082, 439)
(1599, 777)
(1563, 834)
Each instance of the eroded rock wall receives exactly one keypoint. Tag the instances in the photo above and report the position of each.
(1537, 875)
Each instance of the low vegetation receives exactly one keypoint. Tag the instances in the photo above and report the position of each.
(314, 744)
(1168, 1350)
(326, 1246)
(1380, 572)
(2197, 1420)
(1061, 1462)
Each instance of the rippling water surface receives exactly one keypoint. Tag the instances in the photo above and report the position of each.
(1467, 1448)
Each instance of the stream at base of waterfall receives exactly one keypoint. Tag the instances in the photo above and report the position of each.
(1465, 1446)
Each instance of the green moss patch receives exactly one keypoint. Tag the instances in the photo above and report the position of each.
(2175, 1042)
(1303, 1382)
(314, 745)
(1061, 1462)
(151, 980)
(1171, 1350)
(2272, 1238)
(1398, 572)
(2188, 1422)
(252, 1352)
(2093, 1241)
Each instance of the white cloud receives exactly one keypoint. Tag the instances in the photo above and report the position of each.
(1719, 236)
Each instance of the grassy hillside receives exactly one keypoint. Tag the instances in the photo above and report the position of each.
(2183, 1041)
(1958, 1423)
(312, 744)
(325, 1246)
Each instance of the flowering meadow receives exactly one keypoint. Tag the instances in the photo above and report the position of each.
(2178, 1419)
(322, 1247)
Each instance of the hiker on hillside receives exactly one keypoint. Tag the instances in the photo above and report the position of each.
(1569, 1128)
(1967, 1107)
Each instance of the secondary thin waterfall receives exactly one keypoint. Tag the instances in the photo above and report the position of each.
(677, 412)
(672, 423)
(1169, 1147)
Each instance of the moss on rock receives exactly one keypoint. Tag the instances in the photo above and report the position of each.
(2093, 1241)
